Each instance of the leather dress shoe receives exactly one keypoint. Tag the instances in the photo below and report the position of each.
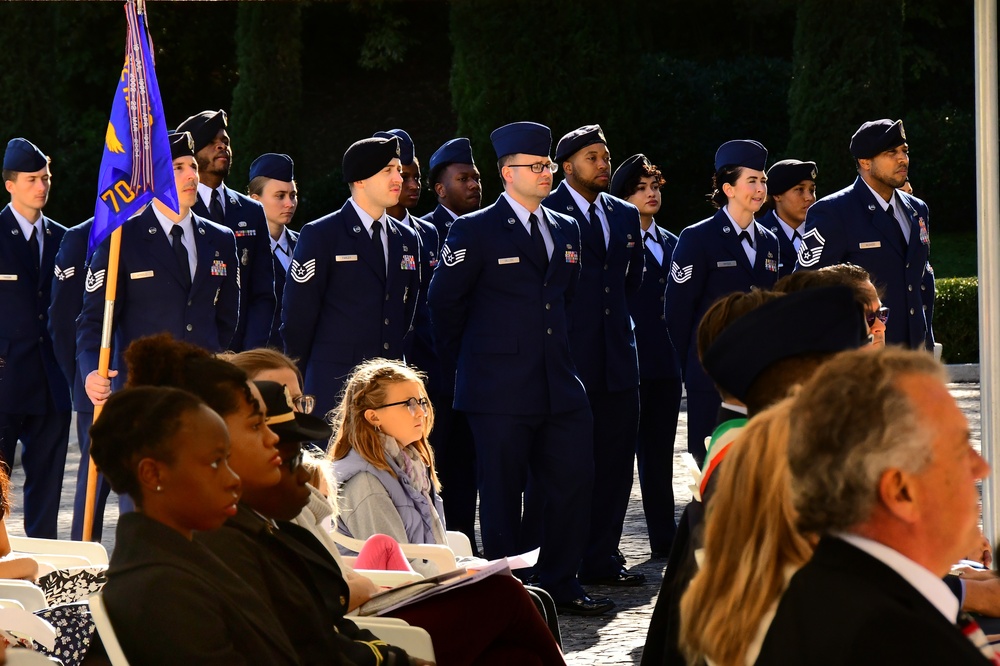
(621, 578)
(585, 605)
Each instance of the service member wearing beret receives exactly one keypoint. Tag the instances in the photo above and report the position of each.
(791, 190)
(454, 178)
(603, 344)
(499, 306)
(34, 396)
(354, 278)
(877, 227)
(224, 205)
(715, 257)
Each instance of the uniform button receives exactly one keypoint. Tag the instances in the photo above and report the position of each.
(549, 331)
(911, 310)
(41, 339)
(663, 280)
(387, 297)
(39, 294)
(189, 303)
(663, 298)
(386, 322)
(607, 311)
(605, 267)
(909, 287)
(41, 317)
(923, 287)
(548, 306)
(189, 328)
(607, 290)
(546, 284)
(385, 345)
(663, 317)
(907, 264)
(343, 601)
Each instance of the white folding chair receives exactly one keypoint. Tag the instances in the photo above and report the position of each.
(91, 551)
(459, 544)
(385, 578)
(112, 647)
(442, 556)
(26, 657)
(29, 595)
(415, 640)
(11, 603)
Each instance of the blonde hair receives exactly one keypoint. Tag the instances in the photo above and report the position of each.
(255, 361)
(366, 389)
(750, 541)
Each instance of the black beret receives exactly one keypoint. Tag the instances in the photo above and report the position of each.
(181, 145)
(455, 151)
(367, 157)
(204, 126)
(742, 153)
(625, 172)
(287, 424)
(523, 137)
(405, 144)
(22, 155)
(875, 136)
(786, 174)
(273, 165)
(578, 139)
(825, 319)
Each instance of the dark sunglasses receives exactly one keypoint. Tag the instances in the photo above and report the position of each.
(295, 461)
(882, 314)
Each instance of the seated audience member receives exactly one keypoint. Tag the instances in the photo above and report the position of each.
(382, 459)
(170, 600)
(245, 541)
(515, 632)
(12, 565)
(883, 471)
(752, 548)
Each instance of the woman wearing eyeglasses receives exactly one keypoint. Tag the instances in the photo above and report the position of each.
(876, 314)
(383, 461)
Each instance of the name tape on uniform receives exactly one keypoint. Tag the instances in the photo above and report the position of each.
(508, 260)
(726, 264)
(8, 278)
(140, 275)
(346, 257)
(870, 245)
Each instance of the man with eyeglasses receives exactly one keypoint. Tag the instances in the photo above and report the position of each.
(880, 228)
(603, 344)
(498, 304)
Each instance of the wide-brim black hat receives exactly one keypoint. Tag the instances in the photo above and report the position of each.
(288, 424)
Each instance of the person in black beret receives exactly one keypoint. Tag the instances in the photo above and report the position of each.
(354, 279)
(455, 181)
(35, 405)
(638, 181)
(726, 253)
(499, 307)
(791, 190)
(224, 205)
(272, 184)
(603, 344)
(880, 228)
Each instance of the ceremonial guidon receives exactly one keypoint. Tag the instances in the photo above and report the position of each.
(709, 262)
(35, 403)
(454, 178)
(881, 229)
(354, 277)
(782, 177)
(245, 217)
(603, 344)
(67, 302)
(181, 277)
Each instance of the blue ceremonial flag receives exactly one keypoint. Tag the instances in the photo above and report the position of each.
(136, 164)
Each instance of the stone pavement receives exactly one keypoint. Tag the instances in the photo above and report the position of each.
(603, 641)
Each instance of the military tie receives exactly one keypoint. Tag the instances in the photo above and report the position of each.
(745, 236)
(536, 239)
(180, 253)
(377, 247)
(892, 214)
(653, 246)
(33, 248)
(215, 208)
(597, 232)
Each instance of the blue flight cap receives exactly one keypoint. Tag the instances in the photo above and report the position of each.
(875, 136)
(523, 137)
(786, 174)
(273, 165)
(22, 155)
(578, 139)
(743, 153)
(367, 157)
(632, 168)
(204, 127)
(405, 144)
(181, 144)
(455, 151)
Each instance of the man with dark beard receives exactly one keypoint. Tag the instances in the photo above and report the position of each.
(877, 227)
(602, 344)
(226, 206)
(454, 179)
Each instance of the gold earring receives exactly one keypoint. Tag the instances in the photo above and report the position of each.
(159, 489)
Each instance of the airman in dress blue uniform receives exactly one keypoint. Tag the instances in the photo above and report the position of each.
(354, 277)
(35, 405)
(638, 182)
(791, 190)
(224, 205)
(877, 227)
(272, 184)
(454, 178)
(715, 257)
(602, 344)
(177, 273)
(499, 306)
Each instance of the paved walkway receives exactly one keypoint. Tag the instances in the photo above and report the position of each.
(603, 641)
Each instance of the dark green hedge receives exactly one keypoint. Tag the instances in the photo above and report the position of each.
(956, 319)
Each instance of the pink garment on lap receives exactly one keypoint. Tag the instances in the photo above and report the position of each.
(382, 552)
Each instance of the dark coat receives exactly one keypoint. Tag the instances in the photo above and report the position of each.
(67, 302)
(657, 359)
(785, 244)
(279, 289)
(419, 344)
(171, 601)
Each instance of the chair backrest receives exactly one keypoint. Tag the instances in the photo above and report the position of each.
(29, 595)
(459, 543)
(11, 603)
(92, 551)
(415, 640)
(103, 623)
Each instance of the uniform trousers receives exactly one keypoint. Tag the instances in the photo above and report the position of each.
(557, 451)
(659, 404)
(702, 417)
(455, 460)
